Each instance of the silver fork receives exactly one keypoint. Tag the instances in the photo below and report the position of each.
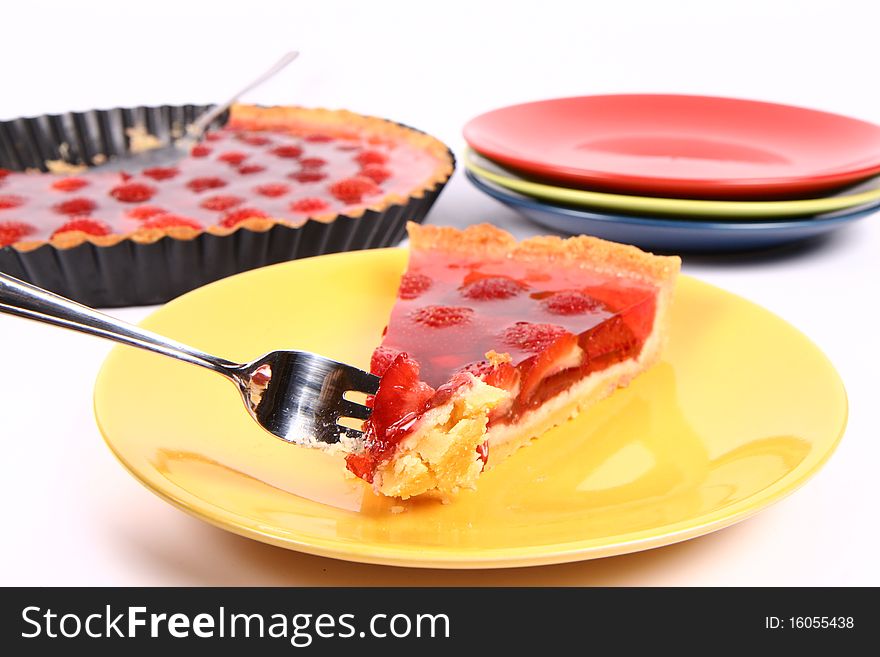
(295, 395)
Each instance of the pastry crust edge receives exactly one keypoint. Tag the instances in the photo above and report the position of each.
(579, 251)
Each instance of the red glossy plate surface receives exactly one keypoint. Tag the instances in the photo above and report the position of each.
(681, 146)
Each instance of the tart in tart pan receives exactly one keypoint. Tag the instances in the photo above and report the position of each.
(267, 184)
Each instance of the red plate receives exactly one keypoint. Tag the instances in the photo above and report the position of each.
(680, 146)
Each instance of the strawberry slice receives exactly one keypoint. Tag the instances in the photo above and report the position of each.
(69, 184)
(532, 337)
(221, 202)
(504, 376)
(361, 465)
(376, 172)
(75, 206)
(491, 288)
(172, 221)
(88, 225)
(8, 201)
(234, 217)
(562, 354)
(12, 231)
(442, 316)
(249, 169)
(312, 162)
(609, 342)
(382, 358)
(307, 176)
(400, 394)
(413, 285)
(398, 403)
(309, 204)
(232, 157)
(133, 192)
(368, 157)
(205, 182)
(500, 375)
(142, 212)
(572, 303)
(352, 190)
(161, 173)
(272, 190)
(288, 151)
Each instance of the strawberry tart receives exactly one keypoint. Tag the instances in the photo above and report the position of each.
(270, 184)
(492, 342)
(265, 166)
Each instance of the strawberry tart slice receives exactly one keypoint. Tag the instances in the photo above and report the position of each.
(493, 342)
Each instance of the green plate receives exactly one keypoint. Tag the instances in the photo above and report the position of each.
(864, 192)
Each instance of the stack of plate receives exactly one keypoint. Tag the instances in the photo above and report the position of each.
(678, 173)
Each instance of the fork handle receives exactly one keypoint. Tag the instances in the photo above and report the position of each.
(201, 124)
(32, 302)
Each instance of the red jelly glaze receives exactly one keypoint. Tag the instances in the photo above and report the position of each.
(558, 324)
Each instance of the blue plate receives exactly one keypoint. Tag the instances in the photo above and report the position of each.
(676, 235)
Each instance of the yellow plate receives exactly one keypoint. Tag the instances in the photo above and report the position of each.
(740, 412)
(865, 192)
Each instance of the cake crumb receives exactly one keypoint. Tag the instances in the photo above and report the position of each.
(61, 167)
(398, 508)
(497, 359)
(140, 140)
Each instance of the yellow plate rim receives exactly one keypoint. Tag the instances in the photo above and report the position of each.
(672, 206)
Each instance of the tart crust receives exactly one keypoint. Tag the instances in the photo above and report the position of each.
(408, 473)
(298, 121)
(441, 455)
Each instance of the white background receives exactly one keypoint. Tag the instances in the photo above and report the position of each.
(71, 515)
